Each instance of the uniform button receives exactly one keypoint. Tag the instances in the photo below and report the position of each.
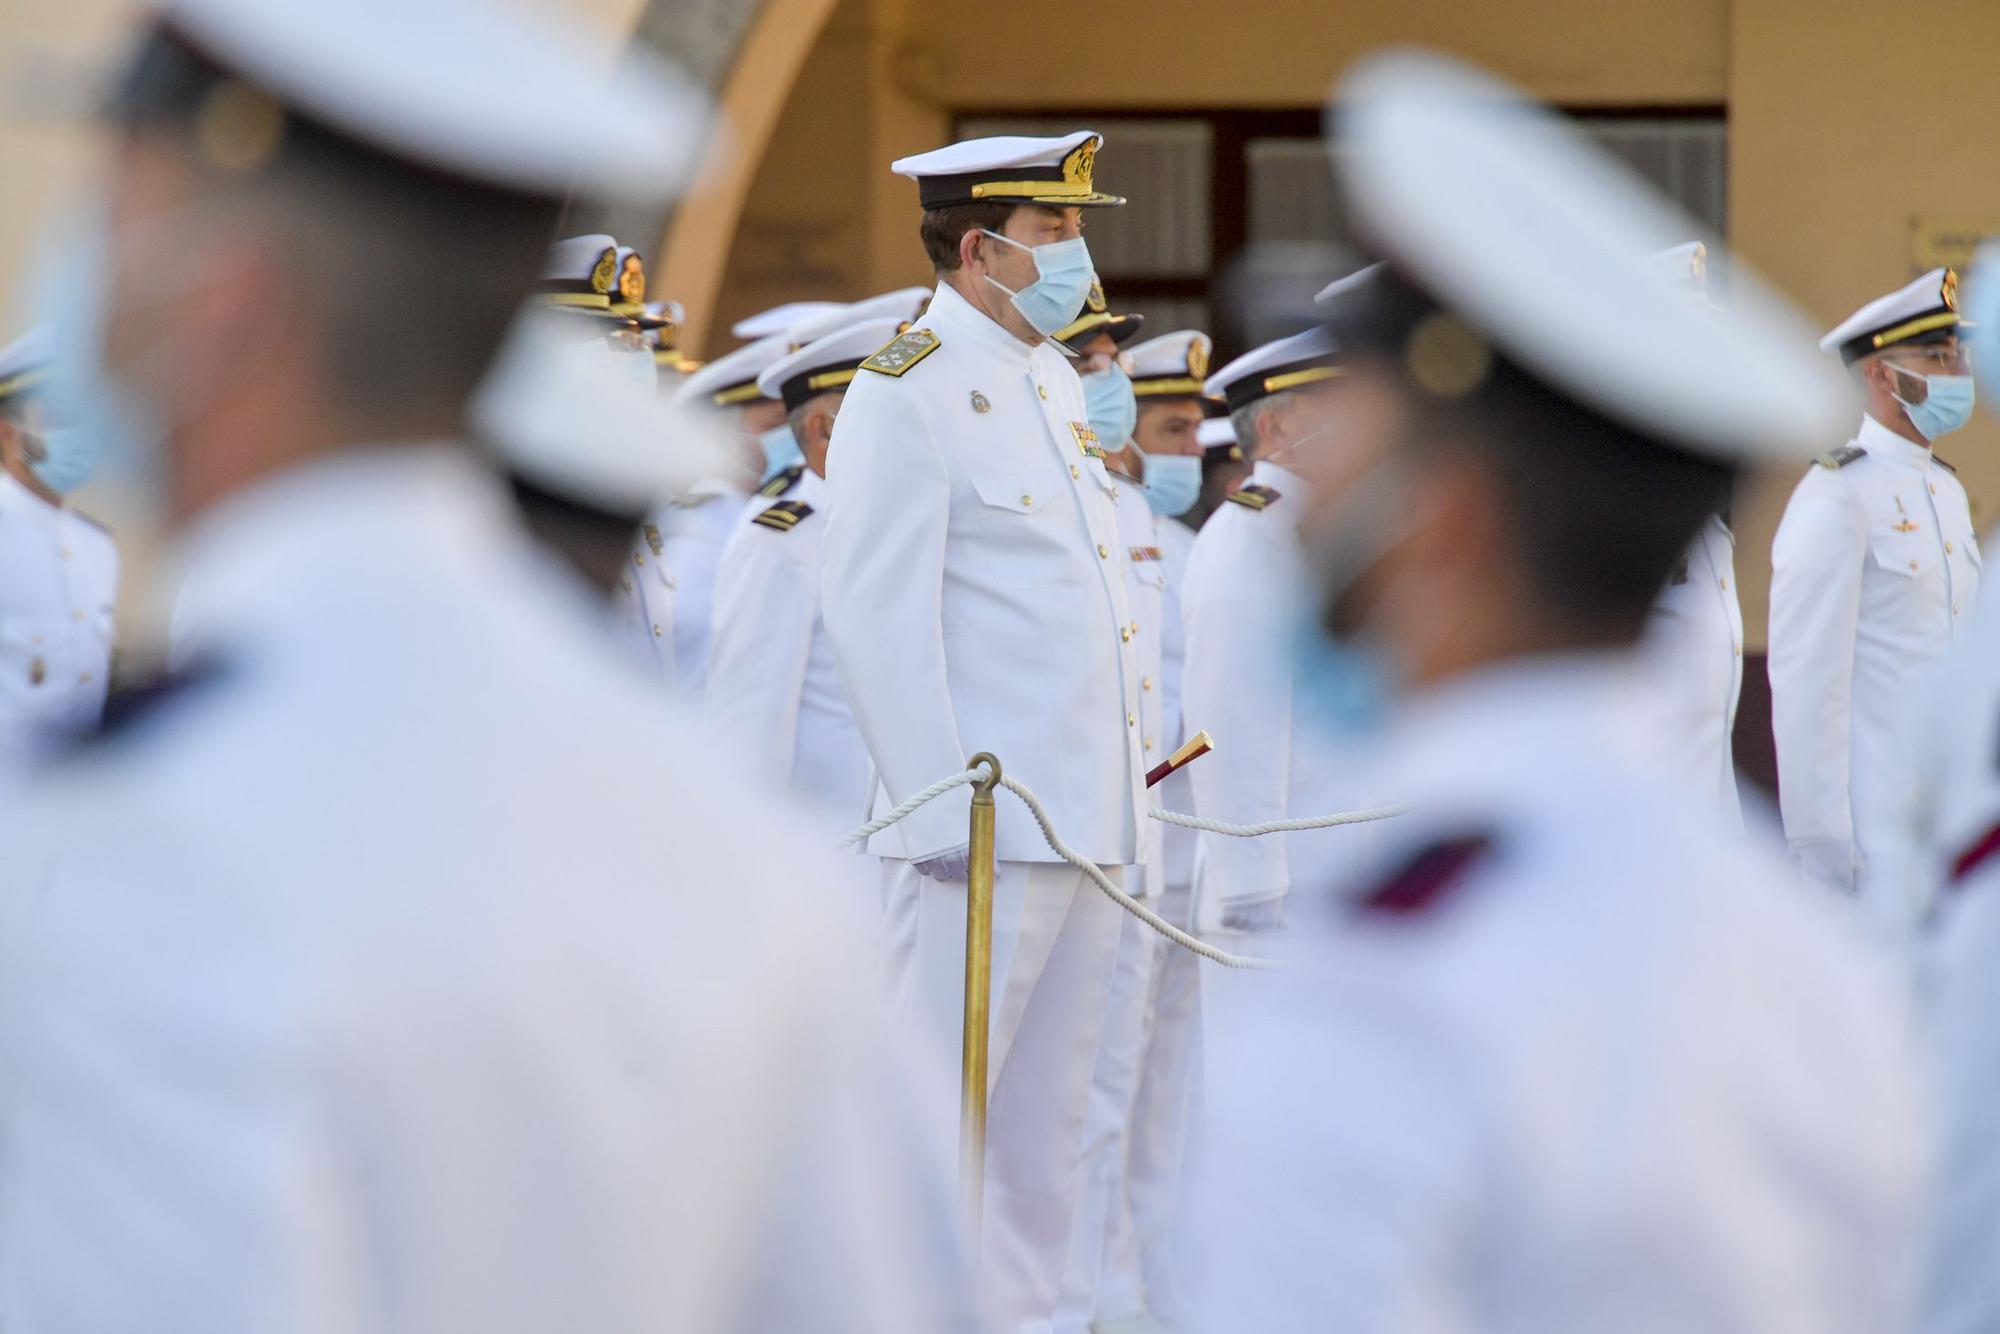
(1145, 683)
(1114, 493)
(657, 632)
(1724, 583)
(1947, 548)
(638, 558)
(1103, 552)
(1131, 720)
(1135, 627)
(1043, 392)
(1125, 635)
(1074, 471)
(1933, 488)
(1026, 501)
(1739, 653)
(1913, 565)
(1149, 743)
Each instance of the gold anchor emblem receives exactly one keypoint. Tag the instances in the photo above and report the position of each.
(980, 403)
(1903, 524)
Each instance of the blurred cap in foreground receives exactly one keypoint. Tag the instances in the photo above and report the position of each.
(1982, 307)
(1505, 214)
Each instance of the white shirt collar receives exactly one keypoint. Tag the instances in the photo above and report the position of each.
(952, 316)
(1882, 442)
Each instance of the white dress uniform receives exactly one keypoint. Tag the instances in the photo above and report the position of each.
(1695, 640)
(1874, 571)
(773, 689)
(1245, 584)
(1525, 1081)
(58, 590)
(644, 605)
(1574, 1058)
(297, 1036)
(974, 591)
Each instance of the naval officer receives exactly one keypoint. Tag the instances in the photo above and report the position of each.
(1874, 572)
(1243, 583)
(1695, 635)
(1521, 1074)
(974, 593)
(58, 570)
(1223, 464)
(772, 686)
(342, 980)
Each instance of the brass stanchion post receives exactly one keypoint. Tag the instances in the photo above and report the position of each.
(978, 993)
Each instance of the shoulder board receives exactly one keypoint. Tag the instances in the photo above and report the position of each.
(1942, 464)
(902, 352)
(1425, 880)
(1254, 496)
(783, 482)
(1146, 553)
(783, 516)
(1841, 457)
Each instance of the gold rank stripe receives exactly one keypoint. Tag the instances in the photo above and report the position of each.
(1025, 189)
(736, 393)
(832, 379)
(1942, 320)
(593, 300)
(1167, 385)
(1309, 375)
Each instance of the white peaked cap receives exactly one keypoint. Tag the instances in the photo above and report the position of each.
(474, 87)
(1281, 364)
(23, 362)
(1926, 305)
(1331, 294)
(576, 256)
(904, 305)
(566, 412)
(1171, 364)
(1010, 169)
(732, 380)
(826, 363)
(1509, 217)
(780, 318)
(1215, 432)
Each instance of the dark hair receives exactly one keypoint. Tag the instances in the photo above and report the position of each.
(414, 273)
(942, 229)
(1599, 512)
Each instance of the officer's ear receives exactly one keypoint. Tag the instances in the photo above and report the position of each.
(968, 249)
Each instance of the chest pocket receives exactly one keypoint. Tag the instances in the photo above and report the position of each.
(1025, 528)
(1904, 557)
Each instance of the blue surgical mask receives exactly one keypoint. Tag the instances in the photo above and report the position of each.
(1347, 682)
(1064, 273)
(69, 457)
(780, 452)
(1173, 483)
(1112, 407)
(1946, 407)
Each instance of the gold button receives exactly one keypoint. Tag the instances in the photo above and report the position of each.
(1724, 583)
(1145, 683)
(1135, 627)
(1913, 565)
(1933, 488)
(1131, 720)
(1149, 743)
(1074, 471)
(1027, 500)
(1947, 548)
(638, 558)
(1739, 653)
(1103, 552)
(1125, 636)
(657, 632)
(1114, 493)
(1043, 392)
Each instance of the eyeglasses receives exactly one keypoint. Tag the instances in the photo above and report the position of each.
(1935, 359)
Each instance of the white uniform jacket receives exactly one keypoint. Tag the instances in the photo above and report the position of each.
(1874, 570)
(1146, 590)
(348, 986)
(1521, 1077)
(1695, 640)
(1244, 588)
(772, 687)
(694, 530)
(58, 587)
(1176, 541)
(974, 590)
(646, 601)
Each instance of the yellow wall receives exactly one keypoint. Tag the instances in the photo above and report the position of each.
(1848, 120)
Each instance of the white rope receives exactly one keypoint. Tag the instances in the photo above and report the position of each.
(1277, 826)
(1194, 944)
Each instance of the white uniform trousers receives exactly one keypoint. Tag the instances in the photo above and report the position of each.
(1112, 1089)
(1142, 1260)
(1055, 941)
